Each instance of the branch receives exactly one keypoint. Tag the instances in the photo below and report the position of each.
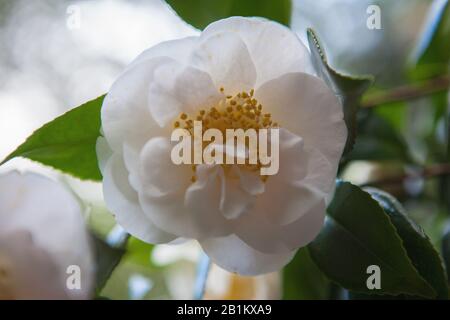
(407, 92)
(431, 171)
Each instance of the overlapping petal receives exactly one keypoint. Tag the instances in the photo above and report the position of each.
(123, 202)
(179, 88)
(274, 49)
(305, 106)
(234, 255)
(125, 111)
(226, 58)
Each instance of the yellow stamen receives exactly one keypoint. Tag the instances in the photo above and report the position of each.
(241, 111)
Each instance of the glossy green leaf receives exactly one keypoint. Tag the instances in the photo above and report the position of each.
(200, 13)
(357, 234)
(68, 142)
(348, 89)
(302, 280)
(420, 250)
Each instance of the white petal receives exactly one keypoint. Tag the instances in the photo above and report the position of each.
(287, 197)
(129, 94)
(232, 254)
(159, 176)
(305, 106)
(283, 203)
(260, 234)
(131, 154)
(235, 200)
(321, 172)
(178, 50)
(178, 88)
(274, 48)
(258, 230)
(226, 58)
(168, 197)
(306, 228)
(203, 200)
(125, 112)
(289, 193)
(251, 182)
(122, 201)
(292, 157)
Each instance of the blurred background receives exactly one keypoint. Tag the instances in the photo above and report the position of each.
(57, 54)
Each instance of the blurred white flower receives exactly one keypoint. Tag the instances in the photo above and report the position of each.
(42, 233)
(246, 224)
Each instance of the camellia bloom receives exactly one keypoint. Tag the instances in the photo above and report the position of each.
(43, 240)
(239, 73)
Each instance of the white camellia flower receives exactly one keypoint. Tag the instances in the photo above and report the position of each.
(42, 234)
(260, 73)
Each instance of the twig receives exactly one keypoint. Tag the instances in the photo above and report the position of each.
(407, 92)
(431, 171)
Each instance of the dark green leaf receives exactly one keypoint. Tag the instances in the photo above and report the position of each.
(107, 258)
(348, 89)
(200, 13)
(378, 140)
(302, 280)
(357, 234)
(417, 244)
(68, 142)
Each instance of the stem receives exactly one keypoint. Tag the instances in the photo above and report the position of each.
(431, 171)
(407, 92)
(203, 267)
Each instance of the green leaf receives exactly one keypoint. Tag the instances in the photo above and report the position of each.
(433, 52)
(107, 259)
(378, 140)
(446, 252)
(302, 280)
(68, 142)
(358, 233)
(348, 89)
(200, 13)
(420, 250)
(139, 252)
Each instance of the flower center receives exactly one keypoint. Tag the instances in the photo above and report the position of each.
(241, 111)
